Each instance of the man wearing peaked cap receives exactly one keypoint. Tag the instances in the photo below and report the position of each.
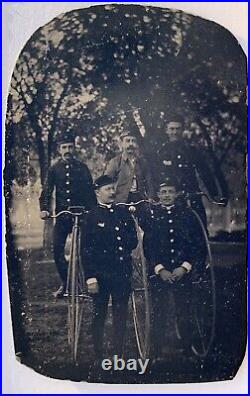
(65, 138)
(131, 171)
(110, 237)
(73, 186)
(184, 162)
(173, 244)
(171, 181)
(101, 181)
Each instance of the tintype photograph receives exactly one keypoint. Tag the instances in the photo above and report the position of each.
(125, 197)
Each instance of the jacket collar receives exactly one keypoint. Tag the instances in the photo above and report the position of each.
(168, 207)
(106, 206)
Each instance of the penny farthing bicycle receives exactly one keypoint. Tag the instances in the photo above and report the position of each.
(203, 291)
(75, 288)
(203, 294)
(140, 297)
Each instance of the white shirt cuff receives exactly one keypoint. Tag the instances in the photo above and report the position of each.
(158, 268)
(187, 266)
(90, 281)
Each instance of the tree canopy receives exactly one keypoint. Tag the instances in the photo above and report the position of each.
(98, 70)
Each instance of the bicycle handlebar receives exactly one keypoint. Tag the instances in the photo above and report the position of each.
(136, 203)
(222, 202)
(76, 214)
(60, 214)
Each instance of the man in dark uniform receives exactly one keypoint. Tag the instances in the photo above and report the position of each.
(173, 241)
(73, 186)
(185, 162)
(131, 172)
(110, 237)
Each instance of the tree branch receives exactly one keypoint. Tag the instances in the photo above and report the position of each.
(54, 120)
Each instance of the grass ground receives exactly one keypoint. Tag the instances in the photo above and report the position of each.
(44, 345)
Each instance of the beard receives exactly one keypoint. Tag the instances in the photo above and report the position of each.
(131, 150)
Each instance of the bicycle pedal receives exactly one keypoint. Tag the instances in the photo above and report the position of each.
(81, 295)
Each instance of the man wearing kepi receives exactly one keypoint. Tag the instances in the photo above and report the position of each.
(73, 185)
(185, 162)
(173, 241)
(131, 171)
(107, 246)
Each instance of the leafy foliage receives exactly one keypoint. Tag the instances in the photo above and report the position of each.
(99, 70)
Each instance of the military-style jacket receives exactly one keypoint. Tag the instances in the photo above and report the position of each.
(109, 236)
(182, 161)
(73, 186)
(120, 169)
(172, 235)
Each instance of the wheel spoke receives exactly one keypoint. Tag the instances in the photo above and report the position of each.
(75, 302)
(140, 299)
(204, 313)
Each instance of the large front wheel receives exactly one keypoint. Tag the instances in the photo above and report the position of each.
(203, 312)
(204, 303)
(75, 291)
(140, 301)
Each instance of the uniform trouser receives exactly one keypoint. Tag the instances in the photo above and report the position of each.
(163, 309)
(120, 291)
(62, 229)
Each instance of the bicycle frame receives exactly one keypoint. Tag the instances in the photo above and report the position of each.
(143, 347)
(143, 341)
(75, 280)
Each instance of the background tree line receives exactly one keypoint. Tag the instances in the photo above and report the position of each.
(95, 71)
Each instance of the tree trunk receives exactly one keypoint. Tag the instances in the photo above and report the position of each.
(41, 159)
(223, 185)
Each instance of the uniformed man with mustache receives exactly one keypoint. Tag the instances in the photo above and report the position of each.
(110, 237)
(185, 162)
(73, 185)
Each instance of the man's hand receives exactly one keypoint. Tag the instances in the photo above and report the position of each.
(93, 288)
(178, 273)
(132, 209)
(44, 214)
(166, 275)
(223, 201)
